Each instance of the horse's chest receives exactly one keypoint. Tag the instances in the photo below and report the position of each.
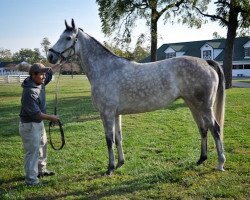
(104, 96)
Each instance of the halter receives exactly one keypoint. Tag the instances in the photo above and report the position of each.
(52, 124)
(72, 47)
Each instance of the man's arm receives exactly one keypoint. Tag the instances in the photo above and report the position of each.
(43, 116)
(48, 75)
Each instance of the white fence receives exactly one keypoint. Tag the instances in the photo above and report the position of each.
(13, 78)
(16, 78)
(241, 72)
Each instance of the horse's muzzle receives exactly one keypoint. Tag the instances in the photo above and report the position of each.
(53, 58)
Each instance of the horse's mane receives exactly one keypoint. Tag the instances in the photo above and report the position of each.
(70, 29)
(105, 48)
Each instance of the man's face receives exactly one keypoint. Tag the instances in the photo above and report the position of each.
(38, 78)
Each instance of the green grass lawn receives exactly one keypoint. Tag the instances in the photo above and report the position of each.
(245, 80)
(161, 149)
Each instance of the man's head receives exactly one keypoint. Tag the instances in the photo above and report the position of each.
(37, 73)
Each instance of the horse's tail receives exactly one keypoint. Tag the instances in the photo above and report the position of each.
(220, 95)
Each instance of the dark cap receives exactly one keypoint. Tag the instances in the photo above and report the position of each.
(38, 68)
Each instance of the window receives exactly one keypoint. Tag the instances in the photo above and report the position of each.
(247, 52)
(207, 54)
(246, 66)
(241, 66)
(170, 55)
(237, 66)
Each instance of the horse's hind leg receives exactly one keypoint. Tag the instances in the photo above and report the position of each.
(197, 115)
(118, 140)
(203, 156)
(214, 127)
(215, 130)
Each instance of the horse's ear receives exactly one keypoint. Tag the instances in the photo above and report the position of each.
(73, 24)
(67, 26)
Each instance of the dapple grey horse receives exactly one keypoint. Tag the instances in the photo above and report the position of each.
(120, 86)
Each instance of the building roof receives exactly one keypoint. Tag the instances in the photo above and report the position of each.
(194, 48)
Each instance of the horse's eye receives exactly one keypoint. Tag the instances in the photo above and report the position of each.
(68, 38)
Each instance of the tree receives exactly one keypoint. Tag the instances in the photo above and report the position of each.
(28, 55)
(5, 55)
(45, 45)
(140, 51)
(138, 54)
(121, 15)
(233, 14)
(216, 35)
(114, 47)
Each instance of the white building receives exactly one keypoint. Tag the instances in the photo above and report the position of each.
(210, 50)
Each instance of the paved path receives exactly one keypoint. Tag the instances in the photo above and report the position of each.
(241, 84)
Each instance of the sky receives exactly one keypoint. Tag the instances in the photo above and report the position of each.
(24, 24)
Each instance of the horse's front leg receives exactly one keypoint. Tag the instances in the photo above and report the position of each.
(108, 120)
(118, 140)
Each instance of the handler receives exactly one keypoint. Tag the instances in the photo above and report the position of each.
(31, 126)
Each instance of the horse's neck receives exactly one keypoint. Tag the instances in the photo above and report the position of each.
(94, 57)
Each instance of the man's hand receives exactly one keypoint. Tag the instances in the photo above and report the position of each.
(54, 118)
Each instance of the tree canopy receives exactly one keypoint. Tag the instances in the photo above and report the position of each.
(25, 54)
(5, 55)
(28, 55)
(45, 45)
(121, 16)
(234, 15)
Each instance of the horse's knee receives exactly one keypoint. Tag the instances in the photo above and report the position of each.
(203, 132)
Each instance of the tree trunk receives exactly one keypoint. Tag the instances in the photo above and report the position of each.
(229, 47)
(154, 19)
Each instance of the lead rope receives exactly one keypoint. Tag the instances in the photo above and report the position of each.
(52, 124)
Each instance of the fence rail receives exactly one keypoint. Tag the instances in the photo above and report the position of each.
(13, 78)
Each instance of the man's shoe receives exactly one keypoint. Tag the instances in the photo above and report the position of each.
(45, 173)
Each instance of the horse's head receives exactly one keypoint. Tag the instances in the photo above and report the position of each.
(65, 46)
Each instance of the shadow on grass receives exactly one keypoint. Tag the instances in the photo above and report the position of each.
(14, 179)
(120, 188)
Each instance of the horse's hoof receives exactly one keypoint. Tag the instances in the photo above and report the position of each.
(201, 160)
(220, 168)
(120, 164)
(109, 172)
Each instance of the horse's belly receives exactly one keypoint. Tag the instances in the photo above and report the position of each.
(132, 104)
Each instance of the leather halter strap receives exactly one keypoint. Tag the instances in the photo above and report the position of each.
(72, 47)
